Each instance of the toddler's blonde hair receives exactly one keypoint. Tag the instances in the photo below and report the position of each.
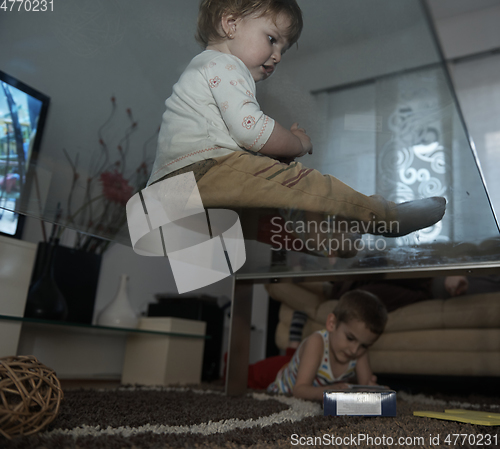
(211, 13)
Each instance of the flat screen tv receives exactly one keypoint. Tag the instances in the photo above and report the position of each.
(23, 111)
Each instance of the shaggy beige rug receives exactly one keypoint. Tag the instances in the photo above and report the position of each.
(154, 418)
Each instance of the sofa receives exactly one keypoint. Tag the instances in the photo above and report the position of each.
(457, 336)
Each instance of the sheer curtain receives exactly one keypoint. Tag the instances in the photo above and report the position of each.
(392, 136)
(401, 136)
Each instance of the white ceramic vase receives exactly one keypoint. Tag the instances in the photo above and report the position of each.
(119, 313)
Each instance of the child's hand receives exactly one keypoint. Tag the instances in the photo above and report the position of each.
(341, 386)
(304, 139)
(456, 285)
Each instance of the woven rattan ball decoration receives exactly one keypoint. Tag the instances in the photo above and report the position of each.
(30, 395)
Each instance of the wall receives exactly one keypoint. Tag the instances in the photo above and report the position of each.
(470, 33)
(81, 55)
(476, 83)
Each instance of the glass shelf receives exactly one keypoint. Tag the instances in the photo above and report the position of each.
(96, 328)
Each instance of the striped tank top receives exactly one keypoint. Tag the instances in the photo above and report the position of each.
(287, 376)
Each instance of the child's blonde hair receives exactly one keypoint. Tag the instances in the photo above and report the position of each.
(211, 13)
(362, 306)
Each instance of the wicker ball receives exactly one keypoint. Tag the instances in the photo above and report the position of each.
(30, 395)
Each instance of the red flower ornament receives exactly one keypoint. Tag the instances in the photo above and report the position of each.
(115, 187)
(214, 82)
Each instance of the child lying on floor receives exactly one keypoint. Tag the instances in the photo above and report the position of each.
(214, 127)
(331, 358)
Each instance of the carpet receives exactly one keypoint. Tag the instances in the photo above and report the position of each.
(203, 417)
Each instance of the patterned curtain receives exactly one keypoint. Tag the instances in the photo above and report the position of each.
(414, 149)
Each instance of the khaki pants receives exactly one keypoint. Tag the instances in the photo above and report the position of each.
(244, 182)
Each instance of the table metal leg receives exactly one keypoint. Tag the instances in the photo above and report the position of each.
(239, 339)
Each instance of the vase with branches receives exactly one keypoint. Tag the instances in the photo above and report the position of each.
(99, 211)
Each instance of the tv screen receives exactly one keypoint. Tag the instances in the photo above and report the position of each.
(23, 111)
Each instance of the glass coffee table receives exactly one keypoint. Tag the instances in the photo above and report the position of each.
(384, 119)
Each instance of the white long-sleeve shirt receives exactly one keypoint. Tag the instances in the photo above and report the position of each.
(211, 112)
